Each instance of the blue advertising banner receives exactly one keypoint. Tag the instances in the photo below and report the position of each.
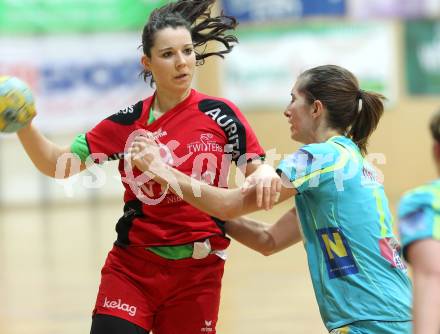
(264, 10)
(361, 9)
(323, 7)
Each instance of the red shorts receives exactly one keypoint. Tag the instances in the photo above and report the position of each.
(161, 295)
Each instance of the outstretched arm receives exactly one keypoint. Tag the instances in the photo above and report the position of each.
(46, 155)
(424, 256)
(264, 238)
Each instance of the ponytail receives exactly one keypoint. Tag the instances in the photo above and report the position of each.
(350, 111)
(434, 126)
(368, 111)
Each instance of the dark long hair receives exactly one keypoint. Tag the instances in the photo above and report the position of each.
(434, 126)
(195, 16)
(350, 110)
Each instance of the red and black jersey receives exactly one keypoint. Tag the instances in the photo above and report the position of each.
(201, 135)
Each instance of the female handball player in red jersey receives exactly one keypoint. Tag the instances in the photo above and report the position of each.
(165, 269)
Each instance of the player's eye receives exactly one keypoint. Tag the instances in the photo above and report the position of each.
(188, 51)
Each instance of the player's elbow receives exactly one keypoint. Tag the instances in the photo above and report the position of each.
(50, 172)
(60, 176)
(59, 173)
(54, 173)
(59, 164)
(267, 252)
(267, 244)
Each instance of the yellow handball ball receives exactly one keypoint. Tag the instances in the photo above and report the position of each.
(17, 107)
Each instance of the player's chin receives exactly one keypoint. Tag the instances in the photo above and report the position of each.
(182, 87)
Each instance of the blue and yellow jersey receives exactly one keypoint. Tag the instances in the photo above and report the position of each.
(353, 255)
(419, 214)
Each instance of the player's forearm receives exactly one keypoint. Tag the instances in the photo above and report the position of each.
(266, 239)
(218, 202)
(252, 234)
(43, 153)
(426, 306)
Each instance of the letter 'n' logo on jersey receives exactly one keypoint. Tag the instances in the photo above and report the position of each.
(337, 253)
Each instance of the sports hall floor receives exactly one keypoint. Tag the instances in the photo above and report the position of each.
(50, 261)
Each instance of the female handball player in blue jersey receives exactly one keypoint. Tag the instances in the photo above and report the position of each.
(419, 218)
(359, 280)
(164, 272)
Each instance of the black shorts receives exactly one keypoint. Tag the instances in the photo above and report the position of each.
(107, 324)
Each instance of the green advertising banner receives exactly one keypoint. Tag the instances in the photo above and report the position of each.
(422, 39)
(41, 16)
(263, 67)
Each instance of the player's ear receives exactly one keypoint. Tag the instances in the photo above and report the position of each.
(146, 63)
(318, 109)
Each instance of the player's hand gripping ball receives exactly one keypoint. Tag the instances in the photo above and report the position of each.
(17, 107)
